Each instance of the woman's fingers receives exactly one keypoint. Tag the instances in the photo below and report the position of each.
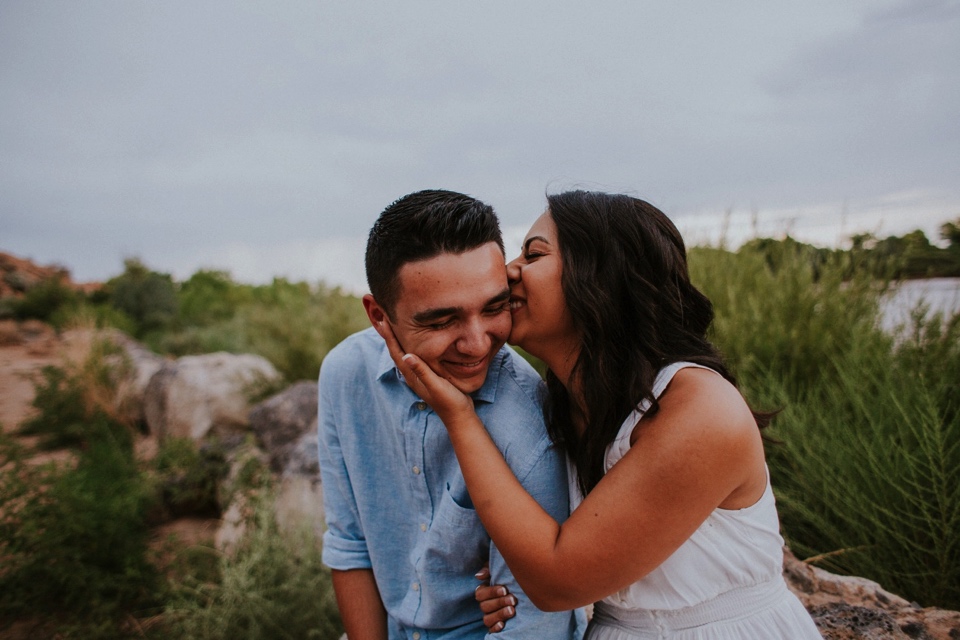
(497, 605)
(505, 609)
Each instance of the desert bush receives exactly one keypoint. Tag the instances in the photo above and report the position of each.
(867, 469)
(273, 586)
(868, 477)
(292, 324)
(186, 477)
(48, 300)
(210, 297)
(74, 541)
(148, 297)
(76, 403)
(785, 317)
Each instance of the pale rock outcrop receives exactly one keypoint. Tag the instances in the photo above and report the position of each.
(208, 395)
(286, 428)
(851, 607)
(139, 365)
(280, 424)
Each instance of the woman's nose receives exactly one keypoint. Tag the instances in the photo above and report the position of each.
(513, 270)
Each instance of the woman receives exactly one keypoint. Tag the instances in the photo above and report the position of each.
(673, 526)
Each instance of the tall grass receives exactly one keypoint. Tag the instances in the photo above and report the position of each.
(273, 587)
(867, 473)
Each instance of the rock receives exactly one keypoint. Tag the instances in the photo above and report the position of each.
(199, 396)
(286, 428)
(841, 621)
(282, 424)
(851, 607)
(299, 504)
(140, 366)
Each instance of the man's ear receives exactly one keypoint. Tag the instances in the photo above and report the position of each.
(375, 313)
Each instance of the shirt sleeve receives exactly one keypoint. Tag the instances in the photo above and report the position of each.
(344, 543)
(546, 481)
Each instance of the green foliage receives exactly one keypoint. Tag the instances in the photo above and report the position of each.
(273, 586)
(210, 297)
(868, 470)
(950, 231)
(292, 324)
(868, 477)
(47, 300)
(76, 403)
(74, 539)
(148, 297)
(785, 314)
(187, 477)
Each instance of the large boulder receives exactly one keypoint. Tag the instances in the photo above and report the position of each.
(286, 428)
(851, 607)
(139, 365)
(283, 425)
(208, 395)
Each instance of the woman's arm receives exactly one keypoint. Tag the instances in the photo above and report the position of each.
(700, 451)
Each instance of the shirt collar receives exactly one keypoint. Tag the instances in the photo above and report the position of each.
(387, 370)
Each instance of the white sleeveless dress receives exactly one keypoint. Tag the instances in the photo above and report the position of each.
(724, 583)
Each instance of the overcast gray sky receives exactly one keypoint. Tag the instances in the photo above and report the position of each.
(264, 138)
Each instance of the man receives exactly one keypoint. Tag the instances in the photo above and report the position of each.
(403, 540)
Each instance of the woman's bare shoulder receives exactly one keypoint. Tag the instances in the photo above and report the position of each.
(703, 403)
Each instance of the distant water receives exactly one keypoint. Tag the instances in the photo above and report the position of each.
(939, 294)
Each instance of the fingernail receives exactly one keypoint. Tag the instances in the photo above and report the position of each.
(498, 626)
(513, 600)
(510, 611)
(501, 591)
(478, 575)
(407, 357)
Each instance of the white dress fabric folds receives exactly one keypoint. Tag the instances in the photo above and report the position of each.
(724, 583)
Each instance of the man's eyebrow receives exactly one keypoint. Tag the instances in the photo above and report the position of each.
(503, 296)
(432, 315)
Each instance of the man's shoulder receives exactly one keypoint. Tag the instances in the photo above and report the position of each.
(519, 380)
(515, 417)
(360, 345)
(357, 355)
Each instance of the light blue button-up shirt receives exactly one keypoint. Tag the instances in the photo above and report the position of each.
(395, 500)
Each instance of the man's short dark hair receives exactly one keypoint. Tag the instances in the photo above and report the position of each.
(420, 226)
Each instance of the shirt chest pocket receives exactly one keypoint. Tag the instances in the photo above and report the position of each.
(457, 541)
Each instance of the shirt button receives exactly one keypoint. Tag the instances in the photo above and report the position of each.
(416, 470)
(423, 527)
(421, 405)
(416, 635)
(416, 586)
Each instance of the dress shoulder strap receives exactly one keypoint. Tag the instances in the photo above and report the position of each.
(621, 444)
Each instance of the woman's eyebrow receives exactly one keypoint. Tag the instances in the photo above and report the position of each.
(526, 244)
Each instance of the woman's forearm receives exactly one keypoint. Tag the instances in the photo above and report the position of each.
(523, 531)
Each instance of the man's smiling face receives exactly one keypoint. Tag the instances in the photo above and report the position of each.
(453, 312)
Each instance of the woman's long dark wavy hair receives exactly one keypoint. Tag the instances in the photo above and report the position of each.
(626, 284)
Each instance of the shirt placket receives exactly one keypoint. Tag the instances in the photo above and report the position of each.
(414, 439)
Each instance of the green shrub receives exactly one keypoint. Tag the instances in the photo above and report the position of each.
(274, 586)
(148, 297)
(76, 403)
(785, 317)
(868, 477)
(187, 477)
(867, 473)
(292, 324)
(47, 300)
(74, 541)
